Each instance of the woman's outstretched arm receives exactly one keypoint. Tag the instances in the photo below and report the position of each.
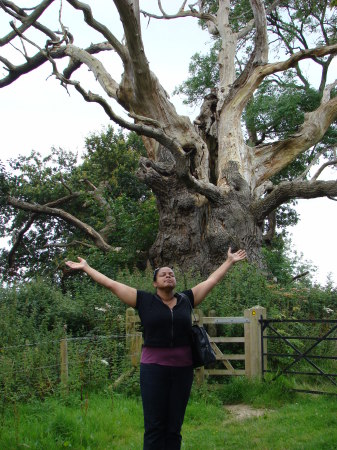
(125, 293)
(201, 290)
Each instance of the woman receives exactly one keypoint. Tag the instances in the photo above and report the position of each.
(166, 371)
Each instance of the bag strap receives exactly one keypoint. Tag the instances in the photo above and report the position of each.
(184, 296)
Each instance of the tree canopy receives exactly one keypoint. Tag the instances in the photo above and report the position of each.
(225, 179)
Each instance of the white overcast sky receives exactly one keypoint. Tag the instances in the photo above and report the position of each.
(36, 113)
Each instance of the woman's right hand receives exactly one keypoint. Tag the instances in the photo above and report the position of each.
(125, 293)
(77, 265)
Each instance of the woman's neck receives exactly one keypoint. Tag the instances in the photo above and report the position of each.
(165, 295)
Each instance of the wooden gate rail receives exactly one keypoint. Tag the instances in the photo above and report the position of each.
(224, 358)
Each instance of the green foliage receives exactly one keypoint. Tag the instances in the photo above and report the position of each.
(255, 392)
(101, 191)
(277, 109)
(113, 158)
(204, 76)
(283, 263)
(32, 319)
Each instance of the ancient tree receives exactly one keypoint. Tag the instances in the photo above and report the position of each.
(216, 180)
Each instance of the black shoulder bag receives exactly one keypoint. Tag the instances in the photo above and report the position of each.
(202, 351)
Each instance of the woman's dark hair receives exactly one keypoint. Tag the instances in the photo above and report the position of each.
(155, 273)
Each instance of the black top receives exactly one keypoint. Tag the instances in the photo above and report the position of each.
(162, 326)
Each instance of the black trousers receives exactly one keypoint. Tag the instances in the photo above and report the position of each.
(165, 392)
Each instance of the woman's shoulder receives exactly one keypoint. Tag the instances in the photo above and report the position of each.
(143, 297)
(189, 294)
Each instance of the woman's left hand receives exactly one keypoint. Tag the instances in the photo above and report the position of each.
(237, 256)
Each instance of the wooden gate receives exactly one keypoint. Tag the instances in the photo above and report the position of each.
(249, 339)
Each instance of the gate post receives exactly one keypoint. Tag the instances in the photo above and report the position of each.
(133, 337)
(253, 353)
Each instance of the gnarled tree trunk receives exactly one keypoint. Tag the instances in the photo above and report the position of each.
(195, 232)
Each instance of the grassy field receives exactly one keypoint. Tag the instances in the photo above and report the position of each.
(104, 421)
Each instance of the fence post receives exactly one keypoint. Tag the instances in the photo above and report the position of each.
(212, 329)
(253, 361)
(133, 337)
(64, 358)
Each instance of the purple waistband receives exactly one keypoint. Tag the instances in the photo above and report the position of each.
(167, 356)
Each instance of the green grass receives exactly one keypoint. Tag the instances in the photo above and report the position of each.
(104, 421)
(310, 423)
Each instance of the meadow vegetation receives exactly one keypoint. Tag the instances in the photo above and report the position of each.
(110, 420)
(101, 409)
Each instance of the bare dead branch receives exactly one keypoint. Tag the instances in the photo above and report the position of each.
(15, 72)
(89, 183)
(92, 22)
(156, 133)
(142, 79)
(20, 234)
(18, 239)
(92, 50)
(67, 217)
(8, 64)
(320, 170)
(27, 21)
(258, 56)
(146, 120)
(327, 91)
(261, 38)
(97, 194)
(312, 163)
(183, 5)
(271, 158)
(280, 154)
(263, 71)
(299, 56)
(288, 190)
(301, 275)
(64, 184)
(62, 200)
(101, 74)
(180, 14)
(69, 244)
(161, 8)
(248, 28)
(34, 62)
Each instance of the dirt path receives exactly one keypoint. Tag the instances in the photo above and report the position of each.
(242, 412)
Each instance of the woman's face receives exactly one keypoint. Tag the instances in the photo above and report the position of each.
(165, 278)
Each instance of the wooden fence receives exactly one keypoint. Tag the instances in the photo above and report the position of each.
(250, 340)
